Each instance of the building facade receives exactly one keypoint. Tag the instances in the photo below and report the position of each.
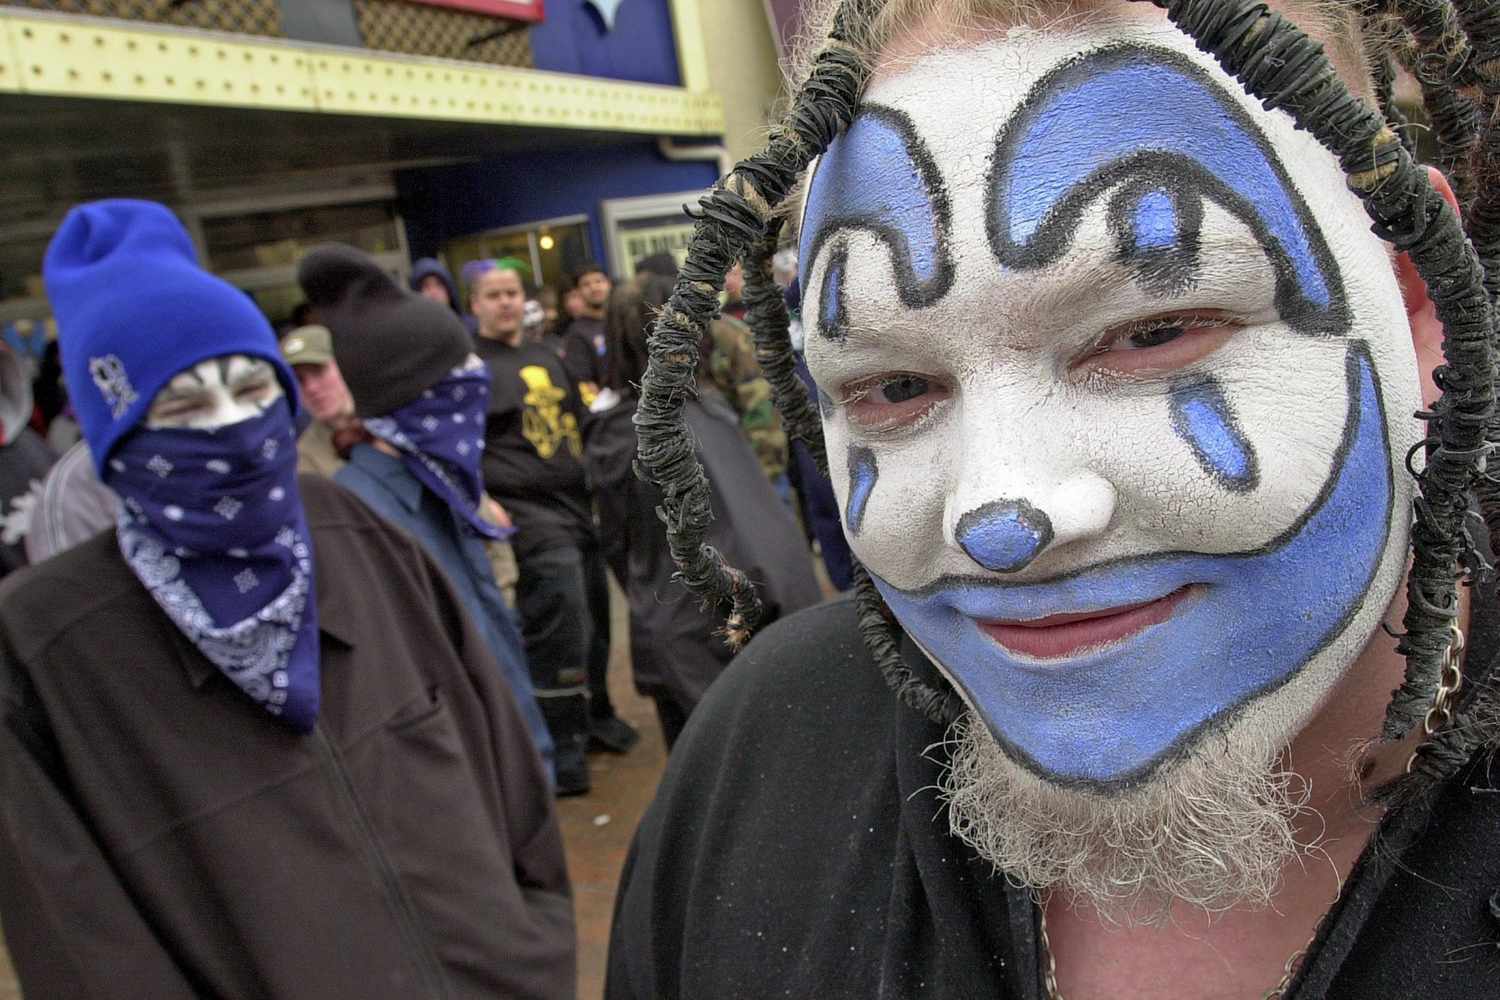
(552, 130)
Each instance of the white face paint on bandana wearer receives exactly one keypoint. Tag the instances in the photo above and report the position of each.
(1117, 387)
(215, 393)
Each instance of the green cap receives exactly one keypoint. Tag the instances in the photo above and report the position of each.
(308, 345)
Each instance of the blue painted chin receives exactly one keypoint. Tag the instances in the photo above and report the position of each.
(1108, 717)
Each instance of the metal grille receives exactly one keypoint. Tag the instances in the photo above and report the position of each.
(247, 17)
(398, 26)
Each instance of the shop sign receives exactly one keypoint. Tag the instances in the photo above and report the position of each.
(640, 227)
(671, 239)
(513, 10)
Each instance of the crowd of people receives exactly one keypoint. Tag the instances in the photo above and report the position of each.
(517, 478)
(1131, 437)
(388, 527)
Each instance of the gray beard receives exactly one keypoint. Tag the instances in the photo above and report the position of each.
(1213, 829)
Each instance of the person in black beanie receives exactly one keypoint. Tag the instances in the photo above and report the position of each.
(420, 394)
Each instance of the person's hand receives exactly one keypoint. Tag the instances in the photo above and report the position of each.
(606, 399)
(17, 523)
(490, 510)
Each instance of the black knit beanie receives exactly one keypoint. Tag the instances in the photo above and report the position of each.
(390, 344)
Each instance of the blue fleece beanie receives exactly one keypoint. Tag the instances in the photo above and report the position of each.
(134, 309)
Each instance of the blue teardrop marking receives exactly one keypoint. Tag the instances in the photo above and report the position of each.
(1155, 222)
(831, 321)
(1203, 418)
(1005, 535)
(862, 476)
(1115, 715)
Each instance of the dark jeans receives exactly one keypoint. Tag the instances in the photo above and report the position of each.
(557, 625)
(672, 717)
(596, 588)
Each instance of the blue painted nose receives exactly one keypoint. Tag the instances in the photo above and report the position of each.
(1005, 535)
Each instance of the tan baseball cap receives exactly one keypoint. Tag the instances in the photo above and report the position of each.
(308, 345)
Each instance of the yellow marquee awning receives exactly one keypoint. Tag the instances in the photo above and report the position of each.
(58, 55)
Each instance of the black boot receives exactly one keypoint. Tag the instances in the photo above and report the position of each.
(568, 721)
(612, 734)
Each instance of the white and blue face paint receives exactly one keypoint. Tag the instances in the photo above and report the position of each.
(1119, 385)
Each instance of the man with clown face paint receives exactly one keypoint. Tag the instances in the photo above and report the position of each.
(1120, 391)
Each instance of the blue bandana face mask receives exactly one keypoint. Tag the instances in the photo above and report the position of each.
(213, 526)
(440, 436)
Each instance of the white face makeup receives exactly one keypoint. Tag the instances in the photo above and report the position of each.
(215, 393)
(1116, 387)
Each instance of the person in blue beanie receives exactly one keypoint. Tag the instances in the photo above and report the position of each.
(231, 725)
(420, 394)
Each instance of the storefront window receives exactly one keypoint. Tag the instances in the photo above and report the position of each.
(550, 250)
(637, 228)
(279, 239)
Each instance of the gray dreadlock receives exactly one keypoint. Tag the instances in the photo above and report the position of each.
(1453, 50)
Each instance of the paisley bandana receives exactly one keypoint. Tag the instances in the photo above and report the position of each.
(213, 526)
(440, 435)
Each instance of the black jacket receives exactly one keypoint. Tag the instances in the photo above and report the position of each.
(673, 646)
(163, 837)
(581, 347)
(797, 848)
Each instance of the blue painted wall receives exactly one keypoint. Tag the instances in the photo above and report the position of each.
(572, 39)
(441, 203)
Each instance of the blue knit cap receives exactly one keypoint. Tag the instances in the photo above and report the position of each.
(134, 309)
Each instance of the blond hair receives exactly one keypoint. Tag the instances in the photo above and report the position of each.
(874, 36)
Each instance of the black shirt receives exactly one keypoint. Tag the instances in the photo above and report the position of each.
(533, 447)
(797, 848)
(582, 348)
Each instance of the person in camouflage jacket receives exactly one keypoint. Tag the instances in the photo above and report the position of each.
(733, 368)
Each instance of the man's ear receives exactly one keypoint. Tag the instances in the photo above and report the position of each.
(1426, 329)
